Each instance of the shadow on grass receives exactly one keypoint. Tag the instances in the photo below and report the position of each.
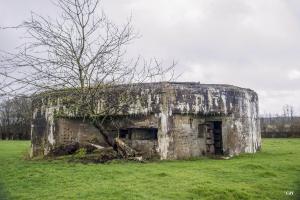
(3, 193)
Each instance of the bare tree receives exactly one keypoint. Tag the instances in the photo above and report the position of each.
(292, 112)
(288, 113)
(82, 51)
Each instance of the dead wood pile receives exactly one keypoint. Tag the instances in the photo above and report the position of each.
(96, 153)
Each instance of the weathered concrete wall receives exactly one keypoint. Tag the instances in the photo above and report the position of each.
(185, 136)
(49, 134)
(75, 130)
(175, 109)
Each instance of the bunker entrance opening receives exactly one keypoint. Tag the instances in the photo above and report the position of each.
(218, 143)
(213, 137)
(138, 133)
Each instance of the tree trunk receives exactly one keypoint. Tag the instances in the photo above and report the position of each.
(104, 134)
(124, 150)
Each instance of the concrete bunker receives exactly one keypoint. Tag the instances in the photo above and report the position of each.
(169, 120)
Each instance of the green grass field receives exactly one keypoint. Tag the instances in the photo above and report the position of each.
(269, 174)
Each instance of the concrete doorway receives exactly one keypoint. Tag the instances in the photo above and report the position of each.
(218, 143)
(213, 137)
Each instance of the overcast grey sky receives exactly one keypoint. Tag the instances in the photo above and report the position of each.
(248, 43)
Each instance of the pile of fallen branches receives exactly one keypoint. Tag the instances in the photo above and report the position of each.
(90, 152)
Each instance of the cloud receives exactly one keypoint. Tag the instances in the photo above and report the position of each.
(294, 74)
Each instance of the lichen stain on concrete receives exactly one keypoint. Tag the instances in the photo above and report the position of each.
(180, 112)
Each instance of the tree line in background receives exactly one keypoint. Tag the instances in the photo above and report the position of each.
(15, 118)
(288, 113)
(285, 125)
